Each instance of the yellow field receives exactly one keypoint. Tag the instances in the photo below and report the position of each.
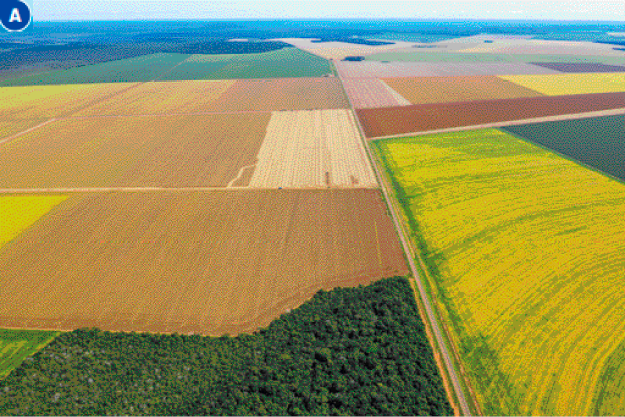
(163, 98)
(19, 103)
(18, 212)
(527, 252)
(564, 84)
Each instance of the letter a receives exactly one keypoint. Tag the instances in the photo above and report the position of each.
(15, 16)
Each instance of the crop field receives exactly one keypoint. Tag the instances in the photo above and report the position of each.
(526, 253)
(580, 66)
(488, 58)
(18, 212)
(339, 50)
(596, 142)
(9, 128)
(286, 62)
(375, 69)
(371, 93)
(561, 84)
(426, 90)
(17, 345)
(319, 148)
(210, 262)
(162, 98)
(44, 102)
(139, 69)
(304, 93)
(421, 118)
(142, 151)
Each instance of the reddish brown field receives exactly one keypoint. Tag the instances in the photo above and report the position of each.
(145, 151)
(203, 262)
(419, 118)
(580, 66)
(282, 94)
(425, 90)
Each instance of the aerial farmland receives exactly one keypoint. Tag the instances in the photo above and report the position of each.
(318, 218)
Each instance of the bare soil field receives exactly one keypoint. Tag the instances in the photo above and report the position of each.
(425, 90)
(320, 148)
(183, 97)
(143, 151)
(371, 93)
(283, 94)
(9, 128)
(208, 263)
(162, 98)
(398, 120)
(382, 69)
(580, 66)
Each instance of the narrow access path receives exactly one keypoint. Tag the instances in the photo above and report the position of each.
(160, 189)
(17, 135)
(574, 116)
(431, 317)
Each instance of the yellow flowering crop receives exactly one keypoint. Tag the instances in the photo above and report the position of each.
(565, 84)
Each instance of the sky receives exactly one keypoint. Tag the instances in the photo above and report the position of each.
(613, 10)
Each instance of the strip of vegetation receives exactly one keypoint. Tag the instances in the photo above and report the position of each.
(17, 345)
(356, 351)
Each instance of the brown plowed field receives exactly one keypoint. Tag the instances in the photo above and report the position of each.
(580, 66)
(283, 94)
(419, 118)
(180, 97)
(209, 263)
(146, 151)
(425, 90)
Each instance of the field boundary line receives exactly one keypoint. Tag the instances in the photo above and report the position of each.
(17, 135)
(558, 118)
(170, 189)
(235, 179)
(438, 340)
(105, 116)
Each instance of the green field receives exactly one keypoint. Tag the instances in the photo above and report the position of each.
(139, 69)
(525, 253)
(17, 345)
(286, 62)
(596, 142)
(427, 56)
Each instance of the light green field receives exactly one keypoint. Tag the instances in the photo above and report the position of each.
(286, 62)
(17, 345)
(426, 56)
(526, 252)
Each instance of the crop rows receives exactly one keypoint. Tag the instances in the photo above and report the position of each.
(371, 93)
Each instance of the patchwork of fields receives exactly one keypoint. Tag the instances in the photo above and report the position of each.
(526, 251)
(202, 262)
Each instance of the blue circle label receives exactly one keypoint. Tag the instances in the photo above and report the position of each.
(15, 15)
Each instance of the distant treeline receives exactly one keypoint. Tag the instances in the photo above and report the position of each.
(357, 351)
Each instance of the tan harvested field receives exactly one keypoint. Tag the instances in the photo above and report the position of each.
(319, 148)
(38, 102)
(12, 127)
(180, 97)
(162, 98)
(425, 90)
(208, 263)
(339, 50)
(372, 92)
(142, 151)
(271, 94)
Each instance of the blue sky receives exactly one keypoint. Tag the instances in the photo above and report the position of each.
(246, 9)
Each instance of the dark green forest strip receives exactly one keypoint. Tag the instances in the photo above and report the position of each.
(353, 351)
(17, 345)
(596, 142)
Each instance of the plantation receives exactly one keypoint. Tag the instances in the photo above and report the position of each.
(596, 142)
(360, 351)
(18, 212)
(525, 252)
(139, 69)
(286, 62)
(17, 345)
